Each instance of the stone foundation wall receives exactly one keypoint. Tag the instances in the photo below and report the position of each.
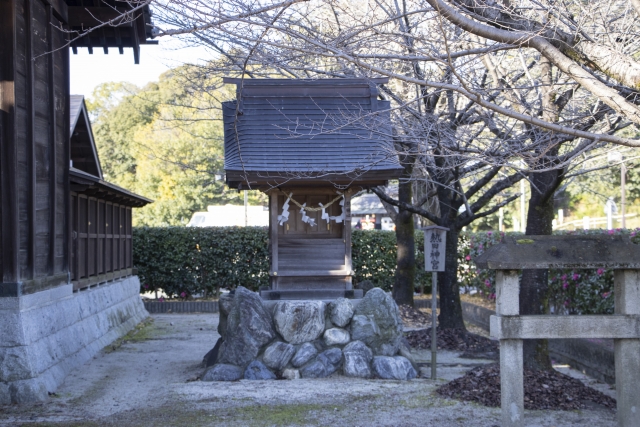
(44, 336)
(309, 339)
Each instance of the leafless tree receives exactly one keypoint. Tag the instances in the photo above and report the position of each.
(483, 93)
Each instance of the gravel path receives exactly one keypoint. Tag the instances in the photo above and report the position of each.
(149, 381)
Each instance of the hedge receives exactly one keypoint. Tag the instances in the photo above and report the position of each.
(197, 260)
(185, 261)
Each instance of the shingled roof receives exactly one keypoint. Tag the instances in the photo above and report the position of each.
(308, 131)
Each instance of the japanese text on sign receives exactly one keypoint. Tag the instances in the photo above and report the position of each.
(434, 249)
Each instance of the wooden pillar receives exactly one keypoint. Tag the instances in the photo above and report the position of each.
(627, 351)
(511, 363)
(10, 226)
(273, 238)
(346, 230)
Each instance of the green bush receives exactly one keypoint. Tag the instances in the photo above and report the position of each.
(374, 254)
(571, 291)
(194, 260)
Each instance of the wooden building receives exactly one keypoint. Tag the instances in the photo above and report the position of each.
(100, 211)
(310, 145)
(40, 220)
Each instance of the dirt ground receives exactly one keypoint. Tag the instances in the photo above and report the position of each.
(148, 379)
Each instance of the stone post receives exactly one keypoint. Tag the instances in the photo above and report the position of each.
(511, 364)
(627, 351)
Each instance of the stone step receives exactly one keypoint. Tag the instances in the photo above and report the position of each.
(310, 294)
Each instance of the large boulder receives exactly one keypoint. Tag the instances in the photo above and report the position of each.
(364, 328)
(211, 358)
(257, 371)
(249, 327)
(299, 321)
(340, 312)
(405, 351)
(357, 360)
(223, 372)
(336, 336)
(225, 302)
(305, 353)
(278, 354)
(393, 368)
(324, 365)
(382, 310)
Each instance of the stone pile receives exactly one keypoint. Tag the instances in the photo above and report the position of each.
(309, 339)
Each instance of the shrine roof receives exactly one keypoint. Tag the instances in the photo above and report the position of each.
(572, 251)
(85, 173)
(107, 24)
(336, 130)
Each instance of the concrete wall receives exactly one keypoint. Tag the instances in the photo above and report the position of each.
(44, 336)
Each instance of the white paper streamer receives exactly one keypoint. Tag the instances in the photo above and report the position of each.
(338, 219)
(325, 215)
(305, 218)
(285, 211)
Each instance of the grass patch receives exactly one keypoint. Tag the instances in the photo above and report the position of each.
(142, 332)
(276, 415)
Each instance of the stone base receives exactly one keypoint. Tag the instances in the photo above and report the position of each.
(266, 339)
(310, 294)
(44, 336)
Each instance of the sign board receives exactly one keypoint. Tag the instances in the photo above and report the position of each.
(435, 241)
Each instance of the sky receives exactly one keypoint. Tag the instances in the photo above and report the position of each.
(88, 71)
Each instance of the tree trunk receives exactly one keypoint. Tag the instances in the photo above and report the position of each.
(406, 258)
(534, 284)
(448, 289)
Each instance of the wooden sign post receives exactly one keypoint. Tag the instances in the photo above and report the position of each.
(435, 241)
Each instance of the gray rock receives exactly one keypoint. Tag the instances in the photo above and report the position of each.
(249, 327)
(324, 365)
(364, 328)
(211, 358)
(278, 354)
(357, 360)
(393, 368)
(405, 351)
(305, 353)
(382, 310)
(225, 302)
(341, 312)
(223, 372)
(257, 371)
(365, 285)
(299, 321)
(291, 374)
(336, 336)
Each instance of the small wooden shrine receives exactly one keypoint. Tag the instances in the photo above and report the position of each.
(310, 145)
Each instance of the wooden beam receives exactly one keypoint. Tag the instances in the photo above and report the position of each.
(559, 327)
(53, 156)
(31, 142)
(60, 9)
(68, 235)
(87, 17)
(135, 41)
(8, 158)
